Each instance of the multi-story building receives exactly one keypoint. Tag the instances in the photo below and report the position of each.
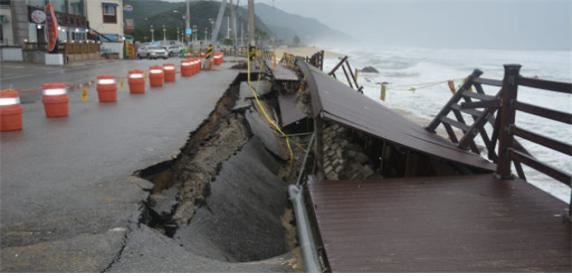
(71, 16)
(106, 17)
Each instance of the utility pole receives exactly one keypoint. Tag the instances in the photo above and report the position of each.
(233, 26)
(251, 26)
(227, 27)
(241, 35)
(195, 35)
(188, 21)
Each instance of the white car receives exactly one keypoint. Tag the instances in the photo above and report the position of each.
(174, 50)
(152, 52)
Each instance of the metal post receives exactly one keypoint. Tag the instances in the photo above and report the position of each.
(152, 34)
(228, 27)
(164, 33)
(507, 116)
(188, 21)
(383, 91)
(251, 24)
(233, 24)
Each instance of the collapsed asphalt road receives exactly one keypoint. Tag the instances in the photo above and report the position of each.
(68, 201)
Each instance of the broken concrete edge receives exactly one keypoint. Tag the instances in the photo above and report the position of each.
(227, 141)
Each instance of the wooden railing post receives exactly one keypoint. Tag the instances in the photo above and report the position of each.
(507, 116)
(456, 97)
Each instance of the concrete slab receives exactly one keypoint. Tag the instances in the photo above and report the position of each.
(63, 178)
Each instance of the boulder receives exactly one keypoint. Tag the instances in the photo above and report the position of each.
(369, 69)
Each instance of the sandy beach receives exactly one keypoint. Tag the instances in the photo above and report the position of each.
(306, 52)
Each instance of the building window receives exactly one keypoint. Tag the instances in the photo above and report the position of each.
(76, 7)
(109, 13)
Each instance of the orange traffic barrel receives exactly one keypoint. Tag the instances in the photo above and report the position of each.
(136, 80)
(106, 89)
(170, 72)
(10, 110)
(156, 76)
(56, 100)
(218, 58)
(197, 65)
(187, 68)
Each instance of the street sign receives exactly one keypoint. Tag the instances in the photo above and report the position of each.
(189, 31)
(128, 8)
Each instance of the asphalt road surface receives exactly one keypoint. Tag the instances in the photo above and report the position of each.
(68, 202)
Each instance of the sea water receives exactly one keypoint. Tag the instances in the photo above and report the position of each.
(417, 83)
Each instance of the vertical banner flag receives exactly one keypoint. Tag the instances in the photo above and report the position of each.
(51, 28)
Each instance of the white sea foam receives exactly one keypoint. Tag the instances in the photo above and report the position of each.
(408, 67)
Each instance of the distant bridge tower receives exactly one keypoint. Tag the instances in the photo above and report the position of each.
(219, 18)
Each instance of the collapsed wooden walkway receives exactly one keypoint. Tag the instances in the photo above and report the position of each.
(484, 219)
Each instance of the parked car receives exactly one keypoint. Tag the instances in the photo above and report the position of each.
(152, 52)
(174, 50)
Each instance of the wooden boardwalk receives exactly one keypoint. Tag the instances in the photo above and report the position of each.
(441, 224)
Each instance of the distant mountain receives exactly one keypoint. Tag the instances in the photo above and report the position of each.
(286, 25)
(158, 13)
(270, 22)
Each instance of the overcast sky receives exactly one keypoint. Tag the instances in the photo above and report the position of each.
(506, 24)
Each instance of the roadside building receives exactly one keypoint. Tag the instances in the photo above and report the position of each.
(106, 20)
(6, 33)
(85, 29)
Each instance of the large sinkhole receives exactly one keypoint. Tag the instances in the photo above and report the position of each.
(222, 197)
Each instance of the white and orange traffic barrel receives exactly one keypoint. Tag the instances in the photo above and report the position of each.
(187, 68)
(218, 58)
(196, 65)
(170, 72)
(136, 80)
(10, 110)
(106, 89)
(156, 76)
(56, 100)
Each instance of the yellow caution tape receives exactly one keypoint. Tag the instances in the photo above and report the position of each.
(265, 114)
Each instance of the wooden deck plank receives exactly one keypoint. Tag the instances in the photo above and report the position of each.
(443, 224)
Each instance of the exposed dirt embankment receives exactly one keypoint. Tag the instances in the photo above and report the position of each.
(222, 197)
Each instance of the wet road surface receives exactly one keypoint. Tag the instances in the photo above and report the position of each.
(67, 197)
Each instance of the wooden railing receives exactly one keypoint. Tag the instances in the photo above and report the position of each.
(317, 60)
(508, 153)
(351, 77)
(471, 99)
